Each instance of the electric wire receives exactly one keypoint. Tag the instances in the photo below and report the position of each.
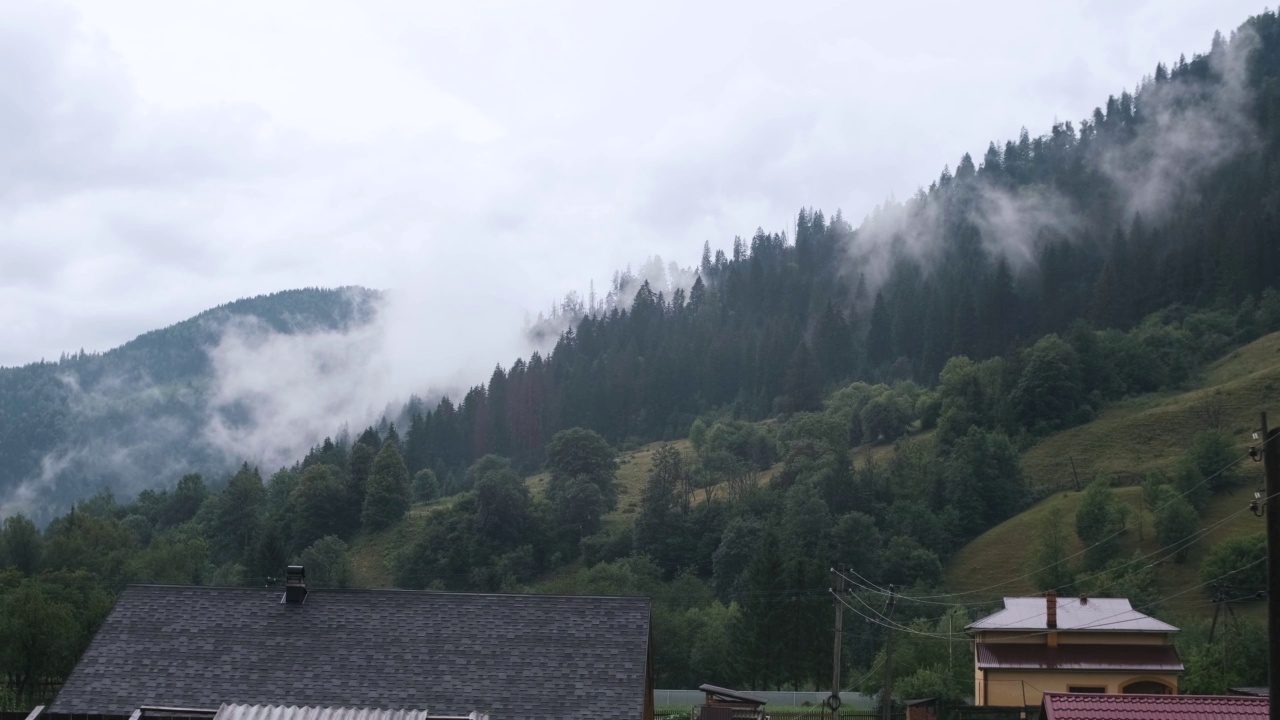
(1100, 623)
(1183, 494)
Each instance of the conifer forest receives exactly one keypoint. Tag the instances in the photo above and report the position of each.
(834, 394)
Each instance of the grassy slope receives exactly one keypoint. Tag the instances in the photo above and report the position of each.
(371, 554)
(1124, 443)
(1150, 432)
(1003, 555)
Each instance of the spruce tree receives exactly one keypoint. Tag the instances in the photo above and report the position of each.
(235, 514)
(359, 465)
(879, 339)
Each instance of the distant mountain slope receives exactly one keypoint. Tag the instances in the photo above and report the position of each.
(133, 416)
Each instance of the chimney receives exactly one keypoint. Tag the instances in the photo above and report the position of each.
(295, 585)
(1084, 599)
(1051, 617)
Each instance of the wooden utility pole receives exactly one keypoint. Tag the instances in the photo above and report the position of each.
(887, 700)
(1218, 598)
(1073, 472)
(1271, 466)
(833, 702)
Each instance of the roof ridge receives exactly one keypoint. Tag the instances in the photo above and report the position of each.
(1104, 697)
(404, 591)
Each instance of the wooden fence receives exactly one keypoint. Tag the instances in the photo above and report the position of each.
(12, 704)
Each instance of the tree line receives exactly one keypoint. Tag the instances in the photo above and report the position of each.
(783, 366)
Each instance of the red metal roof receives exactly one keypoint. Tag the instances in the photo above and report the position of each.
(1010, 656)
(1085, 706)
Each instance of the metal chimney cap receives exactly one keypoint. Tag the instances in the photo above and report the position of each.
(295, 586)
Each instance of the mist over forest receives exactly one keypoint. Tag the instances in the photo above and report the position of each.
(1029, 287)
(1142, 204)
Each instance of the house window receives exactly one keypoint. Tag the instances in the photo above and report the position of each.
(1146, 687)
(1087, 689)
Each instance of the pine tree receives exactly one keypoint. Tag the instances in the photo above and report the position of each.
(879, 350)
(235, 514)
(359, 466)
(803, 385)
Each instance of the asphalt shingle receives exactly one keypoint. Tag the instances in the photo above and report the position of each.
(512, 656)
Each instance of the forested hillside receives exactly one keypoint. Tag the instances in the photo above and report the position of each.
(1166, 196)
(120, 418)
(1018, 295)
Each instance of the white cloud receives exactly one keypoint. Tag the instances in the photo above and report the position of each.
(488, 157)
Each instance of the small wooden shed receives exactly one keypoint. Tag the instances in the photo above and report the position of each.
(922, 709)
(725, 704)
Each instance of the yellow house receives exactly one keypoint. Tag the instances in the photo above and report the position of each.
(1081, 645)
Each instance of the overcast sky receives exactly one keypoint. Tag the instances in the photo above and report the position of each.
(484, 158)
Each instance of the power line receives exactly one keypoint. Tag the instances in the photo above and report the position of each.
(1100, 623)
(1171, 548)
(1032, 573)
(1084, 550)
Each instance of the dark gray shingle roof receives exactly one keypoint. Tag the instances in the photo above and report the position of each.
(513, 656)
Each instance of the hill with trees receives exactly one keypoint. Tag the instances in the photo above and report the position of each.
(1027, 293)
(92, 420)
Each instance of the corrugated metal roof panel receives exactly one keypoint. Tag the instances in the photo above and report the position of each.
(1082, 706)
(1150, 658)
(293, 712)
(1095, 614)
(733, 694)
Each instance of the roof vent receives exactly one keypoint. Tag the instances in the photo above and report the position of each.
(295, 585)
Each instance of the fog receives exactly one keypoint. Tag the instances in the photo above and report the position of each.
(1180, 144)
(167, 157)
(480, 161)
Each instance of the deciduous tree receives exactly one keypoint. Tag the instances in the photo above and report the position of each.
(387, 497)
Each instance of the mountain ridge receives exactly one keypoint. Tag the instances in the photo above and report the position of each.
(59, 421)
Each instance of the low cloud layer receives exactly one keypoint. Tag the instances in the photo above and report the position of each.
(170, 157)
(480, 161)
(1189, 130)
